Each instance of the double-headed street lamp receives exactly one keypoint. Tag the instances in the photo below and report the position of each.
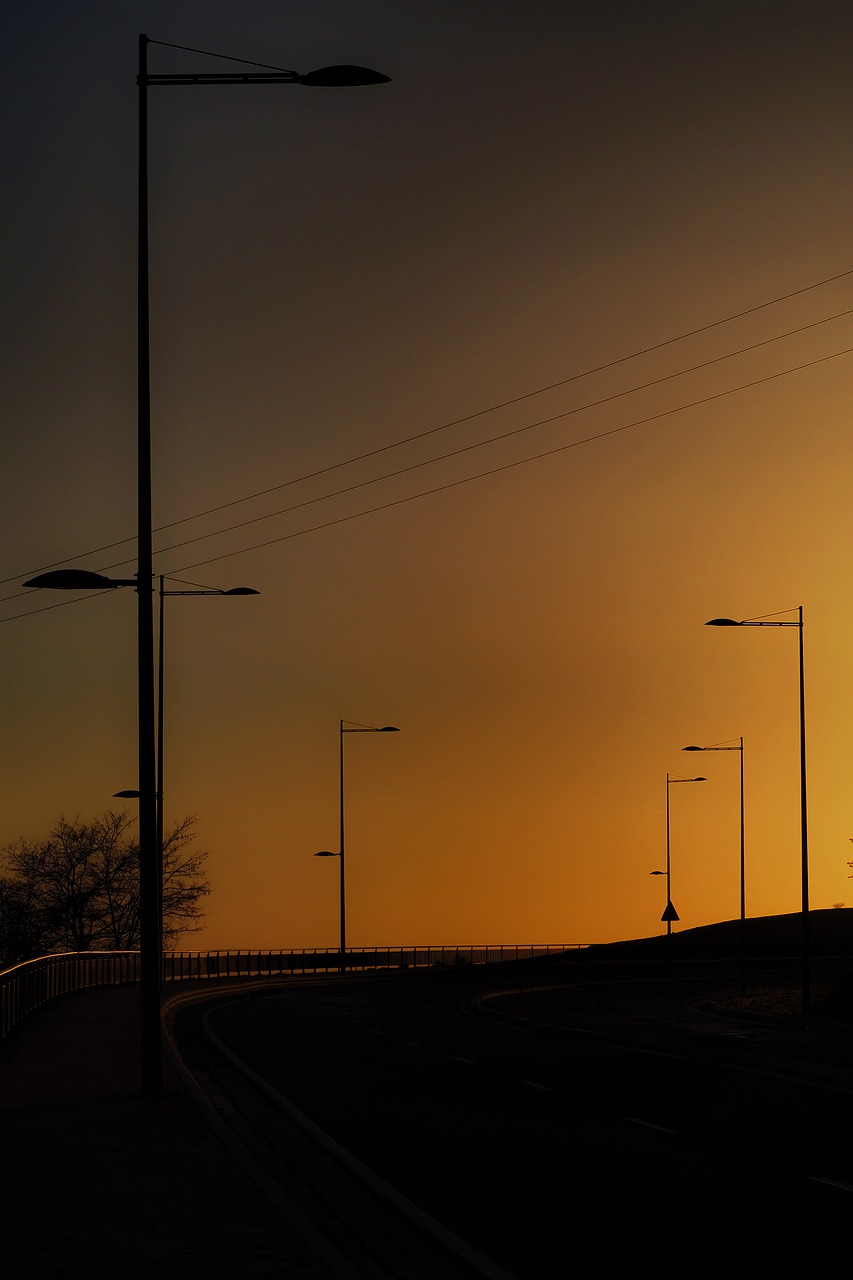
(771, 620)
(348, 726)
(670, 912)
(739, 747)
(87, 580)
(326, 77)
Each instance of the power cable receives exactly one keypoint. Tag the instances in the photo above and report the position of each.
(454, 484)
(611, 364)
(506, 435)
(509, 466)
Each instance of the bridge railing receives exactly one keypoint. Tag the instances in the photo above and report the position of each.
(25, 987)
(178, 965)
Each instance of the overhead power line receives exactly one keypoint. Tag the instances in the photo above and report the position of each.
(519, 462)
(505, 435)
(336, 466)
(480, 475)
(520, 399)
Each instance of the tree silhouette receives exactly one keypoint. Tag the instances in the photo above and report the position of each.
(78, 890)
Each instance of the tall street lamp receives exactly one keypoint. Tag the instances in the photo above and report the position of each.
(770, 620)
(739, 747)
(670, 912)
(348, 726)
(326, 77)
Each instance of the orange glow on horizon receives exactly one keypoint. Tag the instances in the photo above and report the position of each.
(333, 274)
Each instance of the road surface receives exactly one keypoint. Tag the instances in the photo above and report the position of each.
(613, 1118)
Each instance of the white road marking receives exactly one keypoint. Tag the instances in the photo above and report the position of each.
(647, 1124)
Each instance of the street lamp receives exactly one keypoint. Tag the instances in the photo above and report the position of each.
(196, 591)
(770, 620)
(739, 747)
(348, 726)
(326, 77)
(670, 912)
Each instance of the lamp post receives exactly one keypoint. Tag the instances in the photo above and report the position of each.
(326, 77)
(195, 591)
(161, 649)
(739, 747)
(670, 912)
(771, 620)
(348, 726)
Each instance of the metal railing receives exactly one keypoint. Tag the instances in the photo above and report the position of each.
(25, 987)
(178, 965)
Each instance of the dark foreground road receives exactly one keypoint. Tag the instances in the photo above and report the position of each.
(613, 1119)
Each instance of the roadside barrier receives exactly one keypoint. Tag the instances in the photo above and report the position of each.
(26, 986)
(178, 965)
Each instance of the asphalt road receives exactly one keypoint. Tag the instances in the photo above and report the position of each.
(612, 1119)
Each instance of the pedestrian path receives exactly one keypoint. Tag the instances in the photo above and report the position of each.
(99, 1182)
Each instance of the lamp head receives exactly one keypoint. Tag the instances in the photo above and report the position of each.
(342, 77)
(75, 580)
(722, 622)
(241, 591)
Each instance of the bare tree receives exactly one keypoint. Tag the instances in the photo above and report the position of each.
(184, 881)
(24, 930)
(79, 889)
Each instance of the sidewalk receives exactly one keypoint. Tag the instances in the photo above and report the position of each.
(98, 1182)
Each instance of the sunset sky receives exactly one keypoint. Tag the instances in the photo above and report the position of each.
(522, 367)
